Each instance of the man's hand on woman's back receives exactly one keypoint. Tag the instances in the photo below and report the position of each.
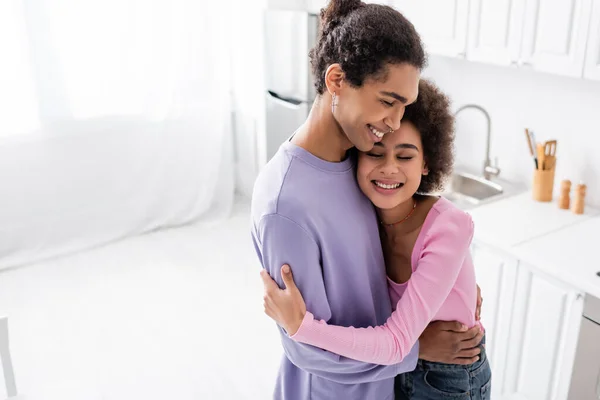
(450, 343)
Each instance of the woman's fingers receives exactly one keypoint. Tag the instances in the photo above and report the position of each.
(269, 309)
(287, 306)
(268, 282)
(288, 278)
(270, 306)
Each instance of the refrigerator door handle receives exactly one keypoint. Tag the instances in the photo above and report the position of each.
(292, 104)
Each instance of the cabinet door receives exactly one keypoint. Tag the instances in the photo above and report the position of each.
(315, 6)
(496, 276)
(555, 35)
(592, 59)
(543, 337)
(442, 24)
(495, 31)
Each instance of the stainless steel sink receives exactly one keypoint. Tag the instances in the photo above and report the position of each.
(467, 190)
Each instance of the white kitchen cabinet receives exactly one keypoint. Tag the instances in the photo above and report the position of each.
(442, 24)
(592, 59)
(315, 6)
(545, 35)
(496, 274)
(555, 35)
(495, 31)
(542, 338)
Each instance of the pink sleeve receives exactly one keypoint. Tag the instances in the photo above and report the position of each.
(444, 250)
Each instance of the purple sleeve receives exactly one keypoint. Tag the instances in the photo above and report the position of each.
(279, 240)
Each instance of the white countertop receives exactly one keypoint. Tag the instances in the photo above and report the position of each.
(559, 243)
(570, 254)
(517, 219)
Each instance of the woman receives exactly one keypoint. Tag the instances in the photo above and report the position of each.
(426, 242)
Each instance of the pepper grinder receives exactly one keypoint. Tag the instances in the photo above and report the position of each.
(564, 201)
(579, 199)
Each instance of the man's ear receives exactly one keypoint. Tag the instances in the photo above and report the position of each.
(334, 76)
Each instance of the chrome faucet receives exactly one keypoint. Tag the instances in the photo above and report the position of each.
(489, 170)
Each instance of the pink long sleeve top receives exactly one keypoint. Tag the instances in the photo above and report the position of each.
(442, 287)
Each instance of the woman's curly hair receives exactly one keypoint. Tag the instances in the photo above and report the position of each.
(363, 39)
(433, 119)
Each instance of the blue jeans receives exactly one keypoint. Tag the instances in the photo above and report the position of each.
(431, 380)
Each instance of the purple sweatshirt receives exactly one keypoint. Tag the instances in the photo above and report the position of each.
(311, 214)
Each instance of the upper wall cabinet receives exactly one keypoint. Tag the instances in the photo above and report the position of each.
(495, 31)
(555, 35)
(592, 59)
(442, 24)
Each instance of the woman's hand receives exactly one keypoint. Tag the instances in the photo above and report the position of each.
(285, 306)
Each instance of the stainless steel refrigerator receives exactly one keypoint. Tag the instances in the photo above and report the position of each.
(289, 36)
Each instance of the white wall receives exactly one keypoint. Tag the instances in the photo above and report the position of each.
(555, 107)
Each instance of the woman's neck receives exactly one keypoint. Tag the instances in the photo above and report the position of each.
(398, 213)
(424, 204)
(321, 135)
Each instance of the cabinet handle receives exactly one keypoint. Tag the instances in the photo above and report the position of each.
(514, 63)
(462, 54)
(527, 64)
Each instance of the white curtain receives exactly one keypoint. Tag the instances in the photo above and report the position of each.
(115, 119)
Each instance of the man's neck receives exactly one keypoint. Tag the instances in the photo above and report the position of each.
(321, 135)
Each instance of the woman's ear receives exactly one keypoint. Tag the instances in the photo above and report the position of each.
(425, 169)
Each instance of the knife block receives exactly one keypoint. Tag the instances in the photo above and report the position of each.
(543, 184)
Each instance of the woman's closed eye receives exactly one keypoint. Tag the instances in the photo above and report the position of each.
(387, 103)
(375, 155)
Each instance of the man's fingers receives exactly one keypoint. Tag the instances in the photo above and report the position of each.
(469, 335)
(473, 342)
(288, 278)
(479, 303)
(453, 326)
(469, 353)
(465, 361)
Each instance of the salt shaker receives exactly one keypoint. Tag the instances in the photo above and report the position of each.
(564, 201)
(579, 199)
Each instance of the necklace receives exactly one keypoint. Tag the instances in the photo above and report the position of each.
(403, 219)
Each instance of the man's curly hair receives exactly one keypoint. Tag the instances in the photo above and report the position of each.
(432, 117)
(363, 39)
